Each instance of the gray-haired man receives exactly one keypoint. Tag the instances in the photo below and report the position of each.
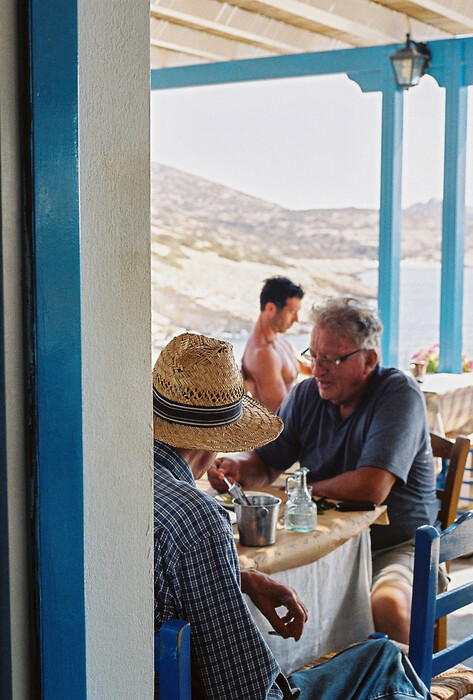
(361, 430)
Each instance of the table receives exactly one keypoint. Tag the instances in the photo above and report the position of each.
(331, 571)
(449, 400)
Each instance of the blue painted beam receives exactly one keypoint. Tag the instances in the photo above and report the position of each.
(354, 61)
(351, 61)
(55, 380)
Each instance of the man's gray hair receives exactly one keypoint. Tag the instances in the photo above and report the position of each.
(351, 318)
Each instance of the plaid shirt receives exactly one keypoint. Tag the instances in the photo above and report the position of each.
(197, 578)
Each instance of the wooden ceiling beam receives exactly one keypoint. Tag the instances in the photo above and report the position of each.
(223, 19)
(201, 44)
(366, 22)
(225, 30)
(161, 57)
(459, 11)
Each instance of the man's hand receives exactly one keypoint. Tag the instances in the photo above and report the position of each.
(245, 467)
(223, 466)
(268, 595)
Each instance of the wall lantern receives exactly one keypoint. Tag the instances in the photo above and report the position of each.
(410, 63)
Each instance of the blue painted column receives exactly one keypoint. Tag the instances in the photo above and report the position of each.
(390, 213)
(390, 206)
(55, 365)
(453, 215)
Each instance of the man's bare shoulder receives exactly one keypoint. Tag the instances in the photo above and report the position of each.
(260, 356)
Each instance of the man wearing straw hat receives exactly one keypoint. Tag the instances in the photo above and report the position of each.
(200, 409)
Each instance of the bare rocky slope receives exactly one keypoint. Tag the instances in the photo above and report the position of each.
(212, 247)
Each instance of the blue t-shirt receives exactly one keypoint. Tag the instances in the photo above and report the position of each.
(387, 429)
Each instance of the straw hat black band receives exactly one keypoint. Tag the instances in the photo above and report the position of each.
(183, 414)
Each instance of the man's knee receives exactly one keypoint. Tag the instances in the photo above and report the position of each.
(391, 607)
(396, 595)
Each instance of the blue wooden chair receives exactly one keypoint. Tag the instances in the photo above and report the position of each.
(172, 660)
(431, 548)
(454, 454)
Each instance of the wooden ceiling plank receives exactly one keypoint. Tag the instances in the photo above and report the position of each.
(198, 43)
(459, 11)
(224, 30)
(232, 22)
(369, 21)
(167, 58)
(440, 14)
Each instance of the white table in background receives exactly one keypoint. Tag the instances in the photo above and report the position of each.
(449, 400)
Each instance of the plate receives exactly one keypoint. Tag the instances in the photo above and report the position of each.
(225, 499)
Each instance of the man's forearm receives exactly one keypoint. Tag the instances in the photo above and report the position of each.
(248, 577)
(364, 484)
(254, 472)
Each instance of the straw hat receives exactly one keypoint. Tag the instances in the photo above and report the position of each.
(199, 399)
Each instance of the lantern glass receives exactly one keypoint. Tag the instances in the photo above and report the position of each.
(418, 63)
(410, 63)
(402, 71)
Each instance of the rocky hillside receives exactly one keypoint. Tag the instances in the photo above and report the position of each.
(212, 247)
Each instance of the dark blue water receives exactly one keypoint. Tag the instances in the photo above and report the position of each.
(419, 313)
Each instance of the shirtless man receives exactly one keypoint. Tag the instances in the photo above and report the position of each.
(270, 365)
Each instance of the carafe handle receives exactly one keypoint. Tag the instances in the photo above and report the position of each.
(289, 488)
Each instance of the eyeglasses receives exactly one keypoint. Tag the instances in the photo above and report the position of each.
(325, 362)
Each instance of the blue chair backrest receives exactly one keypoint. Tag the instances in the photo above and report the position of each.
(172, 660)
(432, 548)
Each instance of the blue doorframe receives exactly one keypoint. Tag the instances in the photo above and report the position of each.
(5, 620)
(452, 67)
(55, 352)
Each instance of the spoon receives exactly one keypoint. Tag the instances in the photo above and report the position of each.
(237, 492)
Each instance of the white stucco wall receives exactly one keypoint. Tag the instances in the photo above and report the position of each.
(12, 296)
(116, 349)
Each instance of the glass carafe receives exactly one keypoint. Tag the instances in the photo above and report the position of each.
(300, 512)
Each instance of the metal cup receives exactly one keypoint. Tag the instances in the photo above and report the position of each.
(257, 522)
(418, 370)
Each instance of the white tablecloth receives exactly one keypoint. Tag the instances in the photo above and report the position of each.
(449, 399)
(336, 590)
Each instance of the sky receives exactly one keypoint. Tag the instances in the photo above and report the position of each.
(302, 143)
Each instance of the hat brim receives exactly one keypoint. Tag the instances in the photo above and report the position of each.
(256, 427)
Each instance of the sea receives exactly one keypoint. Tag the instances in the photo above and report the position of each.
(419, 313)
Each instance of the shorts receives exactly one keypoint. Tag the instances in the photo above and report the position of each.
(397, 563)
